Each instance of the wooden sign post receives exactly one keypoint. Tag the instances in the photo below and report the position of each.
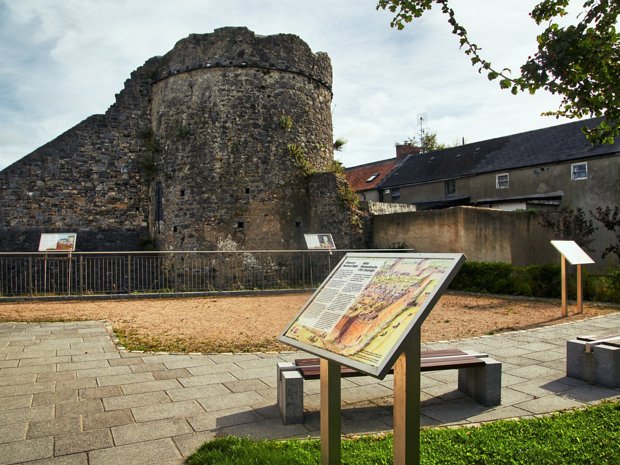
(330, 412)
(569, 250)
(406, 417)
(367, 316)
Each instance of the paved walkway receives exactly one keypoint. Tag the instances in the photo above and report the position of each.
(68, 396)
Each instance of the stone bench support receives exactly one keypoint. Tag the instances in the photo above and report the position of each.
(600, 365)
(482, 383)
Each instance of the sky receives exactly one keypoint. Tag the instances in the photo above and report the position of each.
(64, 60)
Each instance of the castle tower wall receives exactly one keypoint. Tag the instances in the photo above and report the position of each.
(236, 115)
(88, 180)
(228, 134)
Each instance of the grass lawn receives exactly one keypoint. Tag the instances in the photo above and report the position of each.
(590, 436)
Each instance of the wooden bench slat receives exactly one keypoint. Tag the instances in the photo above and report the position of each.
(611, 340)
(309, 367)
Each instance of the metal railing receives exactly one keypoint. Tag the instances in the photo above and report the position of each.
(118, 273)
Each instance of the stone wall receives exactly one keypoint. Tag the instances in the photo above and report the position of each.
(382, 208)
(218, 137)
(482, 234)
(88, 180)
(330, 213)
(251, 105)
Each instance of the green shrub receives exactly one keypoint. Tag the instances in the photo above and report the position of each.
(483, 277)
(542, 281)
(603, 288)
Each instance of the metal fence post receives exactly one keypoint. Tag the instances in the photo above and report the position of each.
(81, 275)
(174, 270)
(128, 273)
(30, 275)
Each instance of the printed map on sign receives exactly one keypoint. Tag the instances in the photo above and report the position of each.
(367, 306)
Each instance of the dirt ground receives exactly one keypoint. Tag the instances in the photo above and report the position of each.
(222, 324)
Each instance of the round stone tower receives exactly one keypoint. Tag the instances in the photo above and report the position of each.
(238, 123)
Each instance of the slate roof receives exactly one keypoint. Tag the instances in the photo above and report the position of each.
(358, 175)
(545, 146)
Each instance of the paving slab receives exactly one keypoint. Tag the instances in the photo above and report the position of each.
(54, 427)
(82, 407)
(106, 419)
(135, 400)
(160, 451)
(151, 386)
(7, 403)
(198, 392)
(188, 443)
(74, 459)
(232, 400)
(13, 432)
(139, 432)
(24, 451)
(82, 442)
(183, 409)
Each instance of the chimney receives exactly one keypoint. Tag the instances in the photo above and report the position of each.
(402, 150)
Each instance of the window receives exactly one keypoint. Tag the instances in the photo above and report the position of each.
(501, 181)
(372, 177)
(395, 194)
(450, 188)
(579, 171)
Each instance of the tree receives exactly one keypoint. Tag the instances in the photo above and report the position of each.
(569, 224)
(427, 141)
(610, 219)
(580, 62)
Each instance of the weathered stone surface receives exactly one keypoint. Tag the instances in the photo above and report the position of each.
(218, 137)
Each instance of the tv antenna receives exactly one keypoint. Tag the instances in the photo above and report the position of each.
(422, 119)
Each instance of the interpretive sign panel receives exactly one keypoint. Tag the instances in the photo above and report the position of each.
(573, 253)
(367, 306)
(320, 241)
(57, 242)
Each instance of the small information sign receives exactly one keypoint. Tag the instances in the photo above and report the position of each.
(57, 242)
(364, 310)
(573, 253)
(320, 242)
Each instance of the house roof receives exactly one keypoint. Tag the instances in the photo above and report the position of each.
(556, 144)
(370, 175)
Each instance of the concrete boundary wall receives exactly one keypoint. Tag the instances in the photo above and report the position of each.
(482, 234)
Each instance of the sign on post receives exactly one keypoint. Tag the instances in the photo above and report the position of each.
(570, 250)
(57, 242)
(320, 242)
(367, 306)
(367, 315)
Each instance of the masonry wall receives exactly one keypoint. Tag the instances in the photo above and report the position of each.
(330, 213)
(482, 234)
(253, 110)
(88, 180)
(217, 138)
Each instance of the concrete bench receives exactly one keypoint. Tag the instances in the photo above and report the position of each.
(594, 359)
(479, 377)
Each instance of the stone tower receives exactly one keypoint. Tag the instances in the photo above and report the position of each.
(228, 134)
(231, 112)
